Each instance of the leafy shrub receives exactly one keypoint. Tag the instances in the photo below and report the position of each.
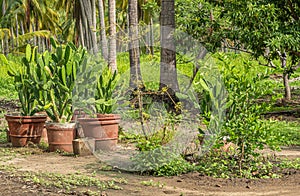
(161, 162)
(226, 165)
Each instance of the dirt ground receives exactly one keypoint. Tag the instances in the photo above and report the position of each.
(188, 184)
(25, 160)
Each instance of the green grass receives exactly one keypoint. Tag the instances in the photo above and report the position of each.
(288, 133)
(7, 89)
(3, 136)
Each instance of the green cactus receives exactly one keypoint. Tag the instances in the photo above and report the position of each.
(104, 101)
(57, 80)
(24, 80)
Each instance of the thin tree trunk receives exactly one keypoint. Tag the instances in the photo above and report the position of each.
(81, 32)
(112, 58)
(22, 27)
(168, 72)
(34, 37)
(5, 44)
(3, 7)
(134, 50)
(150, 38)
(17, 32)
(85, 31)
(12, 38)
(102, 30)
(93, 6)
(287, 88)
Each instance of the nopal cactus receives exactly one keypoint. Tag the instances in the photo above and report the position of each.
(57, 73)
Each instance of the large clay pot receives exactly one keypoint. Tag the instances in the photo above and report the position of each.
(104, 129)
(24, 129)
(60, 136)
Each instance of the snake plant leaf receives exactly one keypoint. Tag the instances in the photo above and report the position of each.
(67, 53)
(33, 54)
(59, 53)
(28, 52)
(54, 57)
(69, 68)
(74, 70)
(53, 42)
(63, 75)
(3, 59)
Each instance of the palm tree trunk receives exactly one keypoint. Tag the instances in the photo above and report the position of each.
(86, 8)
(17, 31)
(81, 32)
(22, 27)
(5, 50)
(102, 30)
(12, 38)
(168, 72)
(134, 50)
(3, 7)
(112, 56)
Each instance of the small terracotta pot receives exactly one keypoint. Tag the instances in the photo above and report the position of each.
(104, 129)
(24, 129)
(60, 136)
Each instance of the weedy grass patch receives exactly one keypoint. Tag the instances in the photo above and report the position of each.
(287, 133)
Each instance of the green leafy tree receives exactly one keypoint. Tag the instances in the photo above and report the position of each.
(263, 28)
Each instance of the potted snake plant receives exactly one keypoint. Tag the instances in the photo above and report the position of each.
(28, 125)
(104, 128)
(57, 84)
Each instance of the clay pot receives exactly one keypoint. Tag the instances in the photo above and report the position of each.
(60, 136)
(104, 129)
(79, 113)
(24, 129)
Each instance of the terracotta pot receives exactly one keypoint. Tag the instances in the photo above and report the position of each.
(103, 129)
(44, 137)
(79, 113)
(24, 129)
(60, 136)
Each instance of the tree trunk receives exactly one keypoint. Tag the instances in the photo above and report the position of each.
(112, 56)
(17, 32)
(22, 27)
(103, 38)
(168, 72)
(86, 8)
(12, 38)
(287, 88)
(134, 50)
(81, 32)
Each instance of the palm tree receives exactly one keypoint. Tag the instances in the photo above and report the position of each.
(28, 16)
(168, 73)
(134, 50)
(88, 16)
(102, 30)
(112, 56)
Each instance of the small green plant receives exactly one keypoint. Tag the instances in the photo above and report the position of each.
(222, 164)
(243, 125)
(287, 133)
(160, 162)
(106, 83)
(289, 164)
(153, 183)
(24, 81)
(68, 181)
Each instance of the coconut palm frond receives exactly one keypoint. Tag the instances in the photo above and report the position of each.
(4, 32)
(28, 36)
